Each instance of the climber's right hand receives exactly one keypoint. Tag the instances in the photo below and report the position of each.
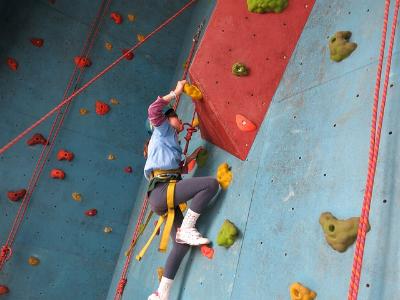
(179, 87)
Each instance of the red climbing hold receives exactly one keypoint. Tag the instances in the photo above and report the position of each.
(82, 62)
(116, 17)
(128, 169)
(65, 155)
(207, 251)
(4, 290)
(12, 63)
(57, 174)
(91, 212)
(191, 165)
(16, 195)
(128, 56)
(36, 139)
(37, 42)
(244, 124)
(102, 108)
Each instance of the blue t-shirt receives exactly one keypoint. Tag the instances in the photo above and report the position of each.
(164, 151)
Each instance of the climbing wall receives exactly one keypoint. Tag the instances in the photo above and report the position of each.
(309, 156)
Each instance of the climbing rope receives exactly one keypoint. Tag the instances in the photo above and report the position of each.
(95, 78)
(376, 130)
(6, 250)
(137, 232)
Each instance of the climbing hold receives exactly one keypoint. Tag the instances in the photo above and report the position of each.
(224, 175)
(192, 91)
(111, 156)
(108, 46)
(33, 261)
(57, 174)
(207, 251)
(240, 69)
(131, 18)
(140, 37)
(263, 6)
(37, 42)
(4, 290)
(340, 47)
(82, 62)
(65, 155)
(36, 139)
(102, 108)
(114, 101)
(300, 292)
(202, 157)
(227, 234)
(128, 169)
(128, 55)
(195, 122)
(160, 273)
(83, 111)
(107, 229)
(91, 212)
(76, 196)
(116, 17)
(340, 234)
(16, 195)
(191, 165)
(244, 124)
(12, 63)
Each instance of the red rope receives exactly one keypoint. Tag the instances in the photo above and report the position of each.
(91, 81)
(52, 136)
(376, 130)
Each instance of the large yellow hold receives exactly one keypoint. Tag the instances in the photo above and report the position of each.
(224, 175)
(192, 91)
(300, 292)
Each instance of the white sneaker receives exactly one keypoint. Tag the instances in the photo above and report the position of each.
(191, 237)
(154, 296)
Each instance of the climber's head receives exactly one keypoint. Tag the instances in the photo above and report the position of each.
(174, 120)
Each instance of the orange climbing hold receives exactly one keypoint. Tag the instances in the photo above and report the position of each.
(36, 139)
(102, 108)
(108, 46)
(300, 292)
(131, 17)
(33, 261)
(116, 17)
(83, 111)
(140, 37)
(82, 62)
(37, 42)
(65, 155)
(244, 124)
(4, 290)
(12, 63)
(128, 55)
(207, 251)
(57, 174)
(191, 165)
(16, 195)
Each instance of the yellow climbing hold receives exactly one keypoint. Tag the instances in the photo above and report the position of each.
(108, 46)
(140, 37)
(192, 91)
(83, 111)
(300, 292)
(33, 261)
(131, 17)
(224, 175)
(195, 122)
(160, 273)
(76, 196)
(107, 229)
(111, 156)
(114, 101)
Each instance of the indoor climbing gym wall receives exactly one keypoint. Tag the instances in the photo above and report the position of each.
(294, 101)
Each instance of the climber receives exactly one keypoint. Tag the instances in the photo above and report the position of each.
(164, 164)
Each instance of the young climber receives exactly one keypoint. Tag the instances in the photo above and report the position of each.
(164, 161)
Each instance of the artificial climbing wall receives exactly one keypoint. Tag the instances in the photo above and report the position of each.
(310, 156)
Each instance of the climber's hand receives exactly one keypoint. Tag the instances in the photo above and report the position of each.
(179, 87)
(193, 156)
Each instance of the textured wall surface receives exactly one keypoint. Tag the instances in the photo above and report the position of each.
(310, 156)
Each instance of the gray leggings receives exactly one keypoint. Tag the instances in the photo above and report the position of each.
(200, 190)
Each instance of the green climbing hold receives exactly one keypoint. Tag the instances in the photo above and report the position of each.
(340, 47)
(340, 234)
(240, 69)
(202, 157)
(263, 6)
(227, 234)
